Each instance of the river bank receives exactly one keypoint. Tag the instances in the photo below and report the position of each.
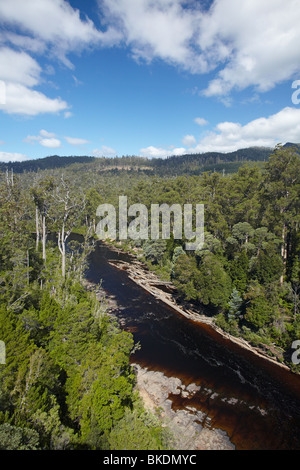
(139, 273)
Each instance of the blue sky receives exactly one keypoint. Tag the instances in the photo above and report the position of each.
(147, 77)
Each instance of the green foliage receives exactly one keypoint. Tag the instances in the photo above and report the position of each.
(185, 274)
(258, 310)
(137, 430)
(213, 282)
(239, 271)
(268, 266)
(16, 438)
(154, 250)
(235, 305)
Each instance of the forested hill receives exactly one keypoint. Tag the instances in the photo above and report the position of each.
(192, 164)
(46, 163)
(211, 161)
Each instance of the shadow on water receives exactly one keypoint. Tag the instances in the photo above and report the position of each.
(254, 401)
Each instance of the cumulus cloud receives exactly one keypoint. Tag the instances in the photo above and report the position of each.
(242, 44)
(261, 43)
(45, 138)
(281, 127)
(157, 29)
(53, 24)
(104, 151)
(20, 98)
(12, 157)
(19, 73)
(157, 152)
(249, 43)
(44, 133)
(52, 143)
(68, 114)
(189, 141)
(201, 121)
(19, 67)
(76, 141)
(49, 27)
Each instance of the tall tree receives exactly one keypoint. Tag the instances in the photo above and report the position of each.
(41, 192)
(67, 209)
(281, 192)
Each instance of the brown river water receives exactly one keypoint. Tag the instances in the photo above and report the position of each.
(256, 402)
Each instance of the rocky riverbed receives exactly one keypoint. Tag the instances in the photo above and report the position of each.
(190, 427)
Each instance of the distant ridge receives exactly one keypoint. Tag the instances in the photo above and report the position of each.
(289, 144)
(193, 164)
(46, 163)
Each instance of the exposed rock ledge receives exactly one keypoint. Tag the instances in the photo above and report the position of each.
(185, 424)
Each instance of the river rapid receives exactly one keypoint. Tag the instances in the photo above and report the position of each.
(256, 403)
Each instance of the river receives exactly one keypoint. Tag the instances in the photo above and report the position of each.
(254, 401)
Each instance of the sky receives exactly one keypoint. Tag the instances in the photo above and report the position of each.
(147, 77)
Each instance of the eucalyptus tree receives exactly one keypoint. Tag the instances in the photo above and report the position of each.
(67, 208)
(41, 194)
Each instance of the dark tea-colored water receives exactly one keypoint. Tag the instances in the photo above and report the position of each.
(254, 401)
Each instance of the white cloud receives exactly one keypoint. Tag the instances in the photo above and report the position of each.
(49, 27)
(257, 41)
(54, 24)
(104, 151)
(281, 127)
(24, 42)
(201, 121)
(12, 157)
(23, 100)
(68, 114)
(157, 29)
(18, 67)
(189, 141)
(157, 152)
(19, 79)
(45, 138)
(76, 141)
(50, 143)
(47, 134)
(248, 43)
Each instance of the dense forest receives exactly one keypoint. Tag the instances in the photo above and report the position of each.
(67, 382)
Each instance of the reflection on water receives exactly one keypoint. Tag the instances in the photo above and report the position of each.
(255, 402)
